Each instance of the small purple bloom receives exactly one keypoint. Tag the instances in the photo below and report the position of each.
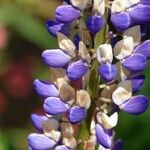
(55, 58)
(95, 23)
(77, 70)
(135, 105)
(37, 121)
(76, 114)
(40, 142)
(107, 72)
(145, 2)
(104, 137)
(54, 106)
(118, 145)
(61, 147)
(67, 13)
(54, 26)
(121, 21)
(140, 13)
(137, 82)
(144, 49)
(45, 88)
(77, 39)
(135, 63)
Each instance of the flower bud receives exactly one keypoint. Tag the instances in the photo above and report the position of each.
(55, 106)
(40, 141)
(67, 13)
(55, 58)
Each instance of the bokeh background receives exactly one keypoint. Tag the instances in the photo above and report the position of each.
(23, 37)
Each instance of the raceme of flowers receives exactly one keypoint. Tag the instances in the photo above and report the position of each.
(121, 58)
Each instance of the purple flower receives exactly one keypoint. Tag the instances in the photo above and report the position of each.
(67, 13)
(107, 72)
(56, 58)
(45, 88)
(54, 26)
(137, 82)
(135, 63)
(143, 48)
(135, 105)
(40, 142)
(54, 106)
(104, 137)
(37, 121)
(76, 114)
(118, 145)
(121, 21)
(95, 23)
(77, 70)
(143, 10)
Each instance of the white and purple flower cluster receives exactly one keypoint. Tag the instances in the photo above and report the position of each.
(122, 58)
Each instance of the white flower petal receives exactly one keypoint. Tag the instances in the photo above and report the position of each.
(124, 48)
(83, 52)
(70, 142)
(131, 3)
(122, 93)
(99, 7)
(54, 135)
(106, 121)
(118, 6)
(81, 4)
(66, 129)
(66, 92)
(135, 33)
(83, 99)
(104, 53)
(66, 44)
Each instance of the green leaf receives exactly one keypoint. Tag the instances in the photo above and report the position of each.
(27, 26)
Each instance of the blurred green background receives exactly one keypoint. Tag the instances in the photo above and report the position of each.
(23, 37)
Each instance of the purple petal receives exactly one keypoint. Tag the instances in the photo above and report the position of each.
(136, 105)
(137, 82)
(103, 136)
(55, 58)
(140, 13)
(144, 29)
(94, 23)
(107, 72)
(145, 2)
(61, 147)
(40, 142)
(77, 114)
(144, 49)
(121, 21)
(77, 70)
(67, 13)
(45, 89)
(55, 106)
(77, 39)
(118, 145)
(54, 26)
(135, 63)
(37, 121)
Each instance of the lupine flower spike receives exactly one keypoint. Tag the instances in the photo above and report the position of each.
(96, 72)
